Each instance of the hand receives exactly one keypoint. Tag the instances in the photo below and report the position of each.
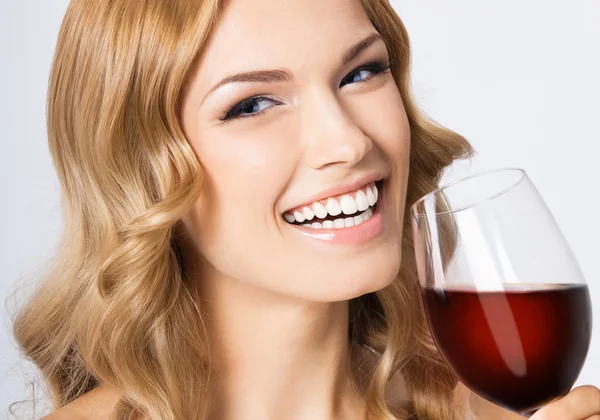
(582, 403)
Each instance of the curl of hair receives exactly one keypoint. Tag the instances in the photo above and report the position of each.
(115, 306)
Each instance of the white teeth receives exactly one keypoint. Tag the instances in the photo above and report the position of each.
(320, 210)
(308, 213)
(299, 217)
(333, 207)
(348, 204)
(342, 223)
(328, 224)
(362, 203)
(371, 196)
(339, 223)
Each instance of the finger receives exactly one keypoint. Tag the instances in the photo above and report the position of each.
(581, 403)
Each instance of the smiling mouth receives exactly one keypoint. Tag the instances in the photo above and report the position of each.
(338, 212)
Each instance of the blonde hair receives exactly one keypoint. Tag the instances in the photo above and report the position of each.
(116, 306)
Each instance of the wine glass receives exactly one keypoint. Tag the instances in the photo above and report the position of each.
(505, 299)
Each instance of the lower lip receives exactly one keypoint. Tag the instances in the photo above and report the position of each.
(350, 235)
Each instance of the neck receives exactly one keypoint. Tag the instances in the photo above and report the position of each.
(276, 357)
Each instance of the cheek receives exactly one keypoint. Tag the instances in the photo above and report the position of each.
(385, 121)
(246, 168)
(393, 124)
(382, 117)
(244, 175)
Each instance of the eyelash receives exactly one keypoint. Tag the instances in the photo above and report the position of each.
(375, 67)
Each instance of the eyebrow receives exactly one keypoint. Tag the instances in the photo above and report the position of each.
(284, 75)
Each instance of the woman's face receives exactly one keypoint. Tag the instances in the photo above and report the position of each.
(288, 118)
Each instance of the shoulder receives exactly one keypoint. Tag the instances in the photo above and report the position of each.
(96, 404)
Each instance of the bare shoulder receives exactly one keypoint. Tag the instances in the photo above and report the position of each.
(96, 404)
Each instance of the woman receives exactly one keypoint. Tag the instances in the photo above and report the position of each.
(235, 177)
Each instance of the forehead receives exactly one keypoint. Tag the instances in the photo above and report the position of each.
(282, 33)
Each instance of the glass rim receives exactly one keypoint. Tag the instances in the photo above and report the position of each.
(476, 203)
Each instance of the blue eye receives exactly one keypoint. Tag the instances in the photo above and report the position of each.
(361, 79)
(251, 107)
(368, 71)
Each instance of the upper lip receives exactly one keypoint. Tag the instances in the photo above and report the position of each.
(340, 189)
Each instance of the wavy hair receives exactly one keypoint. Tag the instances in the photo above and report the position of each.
(115, 305)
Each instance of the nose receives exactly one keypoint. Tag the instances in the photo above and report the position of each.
(331, 134)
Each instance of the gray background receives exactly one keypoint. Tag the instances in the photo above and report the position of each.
(518, 79)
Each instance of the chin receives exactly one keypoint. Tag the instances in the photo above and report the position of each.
(355, 280)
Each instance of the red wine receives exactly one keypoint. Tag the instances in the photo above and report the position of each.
(517, 348)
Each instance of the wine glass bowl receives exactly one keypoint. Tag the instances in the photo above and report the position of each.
(506, 302)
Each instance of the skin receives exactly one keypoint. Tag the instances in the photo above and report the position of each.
(327, 126)
(276, 300)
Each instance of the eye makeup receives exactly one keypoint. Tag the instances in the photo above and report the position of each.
(248, 108)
